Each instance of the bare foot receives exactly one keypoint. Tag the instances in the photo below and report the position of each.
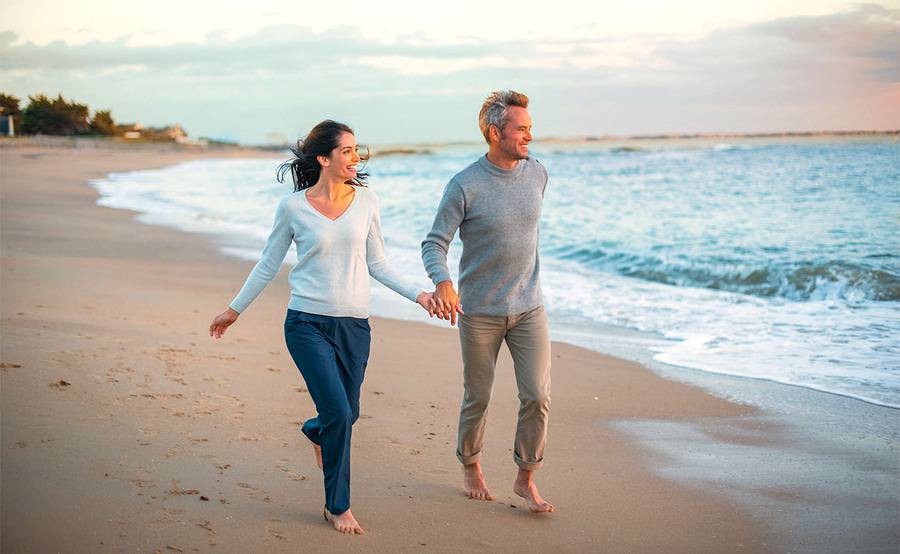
(526, 488)
(344, 523)
(318, 450)
(474, 484)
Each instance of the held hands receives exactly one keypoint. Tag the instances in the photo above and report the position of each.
(222, 322)
(446, 301)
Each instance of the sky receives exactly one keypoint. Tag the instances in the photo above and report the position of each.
(400, 71)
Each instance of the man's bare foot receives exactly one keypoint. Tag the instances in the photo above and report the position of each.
(344, 523)
(526, 488)
(473, 482)
(318, 450)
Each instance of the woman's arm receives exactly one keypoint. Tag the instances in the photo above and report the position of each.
(382, 271)
(263, 272)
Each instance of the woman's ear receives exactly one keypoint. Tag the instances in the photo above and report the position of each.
(323, 160)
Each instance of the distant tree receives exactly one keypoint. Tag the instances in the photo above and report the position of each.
(9, 105)
(55, 117)
(103, 123)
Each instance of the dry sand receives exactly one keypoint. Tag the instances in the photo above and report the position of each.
(120, 415)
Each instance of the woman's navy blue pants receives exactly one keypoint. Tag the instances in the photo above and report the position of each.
(331, 354)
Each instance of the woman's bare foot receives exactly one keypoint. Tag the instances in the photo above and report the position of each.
(318, 450)
(344, 523)
(526, 488)
(473, 482)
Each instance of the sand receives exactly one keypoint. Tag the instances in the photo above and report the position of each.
(125, 427)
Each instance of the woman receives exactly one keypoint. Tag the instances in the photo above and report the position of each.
(333, 220)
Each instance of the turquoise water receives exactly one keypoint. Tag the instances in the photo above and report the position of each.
(778, 261)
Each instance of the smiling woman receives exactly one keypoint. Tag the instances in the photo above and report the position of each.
(313, 152)
(333, 221)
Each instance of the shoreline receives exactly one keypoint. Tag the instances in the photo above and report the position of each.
(615, 142)
(392, 453)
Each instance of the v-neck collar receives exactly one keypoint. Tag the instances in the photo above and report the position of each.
(325, 217)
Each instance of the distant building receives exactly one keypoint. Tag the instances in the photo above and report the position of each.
(7, 125)
(176, 133)
(129, 131)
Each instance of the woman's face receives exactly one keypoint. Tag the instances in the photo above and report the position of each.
(342, 161)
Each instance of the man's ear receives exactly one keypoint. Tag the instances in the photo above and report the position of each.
(494, 133)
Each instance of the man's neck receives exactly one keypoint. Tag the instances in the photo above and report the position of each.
(503, 162)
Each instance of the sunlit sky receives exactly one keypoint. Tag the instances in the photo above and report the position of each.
(417, 71)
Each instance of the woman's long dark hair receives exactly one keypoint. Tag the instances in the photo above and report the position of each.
(321, 140)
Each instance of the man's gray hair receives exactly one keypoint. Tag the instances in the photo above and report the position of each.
(495, 108)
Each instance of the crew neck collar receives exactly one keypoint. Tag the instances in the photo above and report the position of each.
(486, 164)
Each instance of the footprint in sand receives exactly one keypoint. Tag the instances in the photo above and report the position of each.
(254, 492)
(274, 529)
(168, 517)
(282, 466)
(142, 485)
(178, 491)
(210, 533)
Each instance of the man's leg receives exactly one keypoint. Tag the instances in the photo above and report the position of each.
(480, 338)
(528, 339)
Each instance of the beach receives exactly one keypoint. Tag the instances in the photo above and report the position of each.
(125, 427)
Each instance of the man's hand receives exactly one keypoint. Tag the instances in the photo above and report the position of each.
(447, 302)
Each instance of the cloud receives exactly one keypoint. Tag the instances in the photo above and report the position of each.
(791, 73)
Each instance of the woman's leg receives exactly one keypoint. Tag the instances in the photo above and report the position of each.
(352, 340)
(308, 342)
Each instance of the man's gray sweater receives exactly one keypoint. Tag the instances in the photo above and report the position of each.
(497, 212)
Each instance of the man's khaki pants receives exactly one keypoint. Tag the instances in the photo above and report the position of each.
(528, 338)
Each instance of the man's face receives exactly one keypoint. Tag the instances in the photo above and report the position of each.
(516, 134)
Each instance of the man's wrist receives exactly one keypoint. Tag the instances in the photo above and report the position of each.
(444, 285)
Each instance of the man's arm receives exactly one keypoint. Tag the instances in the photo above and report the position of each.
(450, 214)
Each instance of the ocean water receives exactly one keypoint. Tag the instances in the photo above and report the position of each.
(770, 261)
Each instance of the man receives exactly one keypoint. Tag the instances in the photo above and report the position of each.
(496, 205)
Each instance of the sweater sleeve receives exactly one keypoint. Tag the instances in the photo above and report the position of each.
(545, 175)
(269, 262)
(378, 265)
(450, 214)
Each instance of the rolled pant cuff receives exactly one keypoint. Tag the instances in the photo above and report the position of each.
(468, 460)
(528, 466)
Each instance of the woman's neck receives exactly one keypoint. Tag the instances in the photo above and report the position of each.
(333, 189)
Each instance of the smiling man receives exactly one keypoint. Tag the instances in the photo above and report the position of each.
(495, 203)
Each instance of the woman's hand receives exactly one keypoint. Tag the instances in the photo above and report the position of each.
(426, 300)
(222, 322)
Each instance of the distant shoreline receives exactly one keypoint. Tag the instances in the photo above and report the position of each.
(624, 142)
(681, 136)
